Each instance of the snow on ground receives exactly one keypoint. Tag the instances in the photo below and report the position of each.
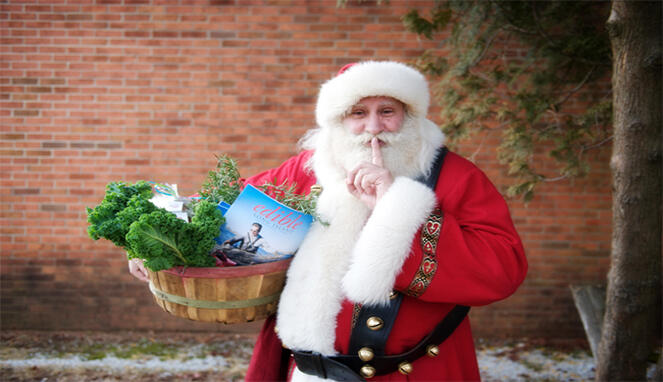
(114, 364)
(496, 364)
(227, 359)
(533, 366)
(537, 364)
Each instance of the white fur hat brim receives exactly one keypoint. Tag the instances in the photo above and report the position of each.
(372, 79)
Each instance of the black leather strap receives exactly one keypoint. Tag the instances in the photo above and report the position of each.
(363, 336)
(431, 179)
(324, 367)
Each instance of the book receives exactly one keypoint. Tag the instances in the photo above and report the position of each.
(260, 229)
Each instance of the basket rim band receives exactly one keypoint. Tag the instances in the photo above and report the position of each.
(208, 304)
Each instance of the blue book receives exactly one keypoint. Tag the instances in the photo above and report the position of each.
(259, 229)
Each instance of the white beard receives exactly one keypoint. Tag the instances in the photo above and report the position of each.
(400, 152)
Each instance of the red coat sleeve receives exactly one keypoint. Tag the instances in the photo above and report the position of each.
(476, 256)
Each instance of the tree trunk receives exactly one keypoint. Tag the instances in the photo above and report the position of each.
(632, 322)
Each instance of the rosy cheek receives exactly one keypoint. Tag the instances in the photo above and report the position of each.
(392, 126)
(353, 126)
(395, 125)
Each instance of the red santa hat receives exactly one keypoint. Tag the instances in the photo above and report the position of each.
(371, 79)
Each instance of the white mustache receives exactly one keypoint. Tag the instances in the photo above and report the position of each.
(365, 139)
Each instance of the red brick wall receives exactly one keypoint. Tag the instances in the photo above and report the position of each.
(129, 90)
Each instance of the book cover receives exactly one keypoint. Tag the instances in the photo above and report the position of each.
(259, 229)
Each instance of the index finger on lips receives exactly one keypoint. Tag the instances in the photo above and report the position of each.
(377, 153)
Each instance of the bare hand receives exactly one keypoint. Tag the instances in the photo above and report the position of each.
(137, 269)
(369, 181)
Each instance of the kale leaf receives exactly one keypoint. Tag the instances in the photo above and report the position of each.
(127, 218)
(164, 241)
(122, 205)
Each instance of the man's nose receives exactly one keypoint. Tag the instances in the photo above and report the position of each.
(373, 124)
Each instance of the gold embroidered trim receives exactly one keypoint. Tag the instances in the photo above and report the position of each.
(430, 235)
(356, 308)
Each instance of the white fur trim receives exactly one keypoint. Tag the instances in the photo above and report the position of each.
(311, 299)
(372, 78)
(385, 241)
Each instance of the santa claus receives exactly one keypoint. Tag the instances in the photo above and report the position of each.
(409, 236)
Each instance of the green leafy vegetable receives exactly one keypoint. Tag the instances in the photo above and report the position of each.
(122, 205)
(128, 219)
(164, 241)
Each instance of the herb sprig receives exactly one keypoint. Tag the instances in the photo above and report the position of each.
(224, 183)
(286, 194)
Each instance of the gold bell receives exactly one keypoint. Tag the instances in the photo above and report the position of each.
(432, 350)
(366, 354)
(367, 371)
(405, 368)
(374, 323)
(393, 295)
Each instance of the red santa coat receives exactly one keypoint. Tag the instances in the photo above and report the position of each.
(468, 253)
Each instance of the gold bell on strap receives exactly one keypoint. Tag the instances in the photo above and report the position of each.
(405, 368)
(366, 354)
(367, 371)
(374, 323)
(432, 351)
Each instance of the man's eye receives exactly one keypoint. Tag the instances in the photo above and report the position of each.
(357, 113)
(388, 111)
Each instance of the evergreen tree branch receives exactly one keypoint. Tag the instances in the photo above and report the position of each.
(571, 92)
(565, 51)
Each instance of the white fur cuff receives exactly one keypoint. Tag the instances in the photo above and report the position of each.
(385, 241)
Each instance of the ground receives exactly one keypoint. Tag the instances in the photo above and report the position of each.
(144, 356)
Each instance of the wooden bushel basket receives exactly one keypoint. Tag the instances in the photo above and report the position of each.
(223, 294)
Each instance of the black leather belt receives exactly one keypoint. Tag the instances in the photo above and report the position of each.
(348, 367)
